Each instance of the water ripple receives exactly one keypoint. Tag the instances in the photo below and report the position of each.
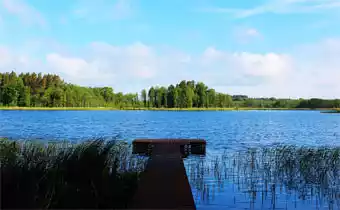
(215, 184)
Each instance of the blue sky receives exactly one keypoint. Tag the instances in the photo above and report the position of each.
(281, 48)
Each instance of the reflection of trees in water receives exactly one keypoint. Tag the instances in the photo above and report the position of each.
(264, 174)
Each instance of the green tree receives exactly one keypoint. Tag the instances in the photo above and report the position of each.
(144, 97)
(201, 92)
(5, 79)
(171, 97)
(152, 96)
(223, 100)
(182, 94)
(189, 95)
(56, 97)
(211, 98)
(158, 97)
(161, 94)
(107, 93)
(10, 95)
(24, 97)
(36, 89)
(13, 78)
(119, 99)
(337, 103)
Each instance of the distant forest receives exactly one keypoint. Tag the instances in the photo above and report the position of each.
(38, 90)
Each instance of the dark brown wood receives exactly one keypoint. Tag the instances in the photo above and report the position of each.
(175, 141)
(164, 184)
(187, 146)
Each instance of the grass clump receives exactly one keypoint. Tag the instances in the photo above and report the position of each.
(93, 174)
(307, 173)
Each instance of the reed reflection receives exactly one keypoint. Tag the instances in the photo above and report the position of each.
(281, 177)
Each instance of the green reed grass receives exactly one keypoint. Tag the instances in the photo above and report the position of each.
(262, 173)
(93, 174)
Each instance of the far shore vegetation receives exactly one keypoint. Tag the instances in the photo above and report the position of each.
(39, 92)
(324, 110)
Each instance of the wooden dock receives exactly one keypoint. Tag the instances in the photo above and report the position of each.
(164, 184)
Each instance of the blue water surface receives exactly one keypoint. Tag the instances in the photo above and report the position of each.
(230, 131)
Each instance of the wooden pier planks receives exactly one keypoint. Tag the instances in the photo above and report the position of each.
(164, 184)
(187, 146)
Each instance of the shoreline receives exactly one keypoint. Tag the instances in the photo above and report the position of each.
(333, 110)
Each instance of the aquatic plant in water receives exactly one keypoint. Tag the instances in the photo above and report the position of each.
(262, 173)
(93, 174)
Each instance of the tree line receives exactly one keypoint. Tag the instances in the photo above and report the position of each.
(37, 90)
(186, 94)
(49, 90)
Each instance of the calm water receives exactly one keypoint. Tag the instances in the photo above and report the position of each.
(230, 176)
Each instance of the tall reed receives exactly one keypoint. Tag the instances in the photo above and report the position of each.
(93, 174)
(261, 174)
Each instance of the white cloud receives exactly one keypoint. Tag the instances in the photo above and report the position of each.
(10, 60)
(267, 65)
(122, 9)
(281, 7)
(245, 35)
(26, 13)
(136, 60)
(77, 70)
(5, 57)
(252, 32)
(308, 71)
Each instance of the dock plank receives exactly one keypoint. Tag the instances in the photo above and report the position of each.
(164, 184)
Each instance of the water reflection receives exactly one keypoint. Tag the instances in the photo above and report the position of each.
(281, 177)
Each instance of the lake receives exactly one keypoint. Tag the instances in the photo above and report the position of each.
(253, 161)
